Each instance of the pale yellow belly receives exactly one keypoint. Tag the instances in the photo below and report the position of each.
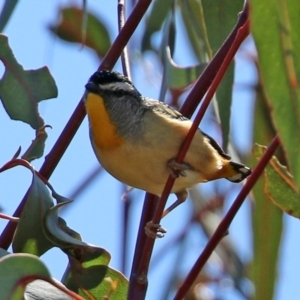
(145, 171)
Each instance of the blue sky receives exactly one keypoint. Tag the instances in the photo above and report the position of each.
(96, 214)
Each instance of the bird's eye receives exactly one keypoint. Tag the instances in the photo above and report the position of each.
(119, 93)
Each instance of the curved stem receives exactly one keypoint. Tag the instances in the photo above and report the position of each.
(211, 76)
(225, 223)
(65, 138)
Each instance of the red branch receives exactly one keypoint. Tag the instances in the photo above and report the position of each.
(225, 223)
(211, 75)
(61, 145)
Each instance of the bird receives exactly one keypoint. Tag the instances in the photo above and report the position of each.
(136, 139)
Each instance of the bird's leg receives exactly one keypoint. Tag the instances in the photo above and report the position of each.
(176, 170)
(155, 230)
(181, 197)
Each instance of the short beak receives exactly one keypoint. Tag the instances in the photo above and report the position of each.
(92, 87)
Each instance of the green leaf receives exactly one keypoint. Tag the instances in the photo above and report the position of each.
(60, 234)
(29, 236)
(208, 23)
(155, 19)
(36, 149)
(279, 185)
(275, 28)
(180, 77)
(167, 45)
(220, 18)
(267, 218)
(97, 281)
(88, 272)
(175, 77)
(17, 270)
(24, 276)
(72, 28)
(267, 234)
(193, 18)
(20, 90)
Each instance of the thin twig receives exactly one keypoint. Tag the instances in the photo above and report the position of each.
(126, 206)
(188, 139)
(121, 23)
(56, 153)
(127, 203)
(140, 274)
(110, 59)
(137, 289)
(225, 223)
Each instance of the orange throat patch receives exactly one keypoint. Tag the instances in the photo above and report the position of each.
(104, 132)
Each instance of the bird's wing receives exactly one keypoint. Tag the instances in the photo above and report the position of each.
(163, 108)
(168, 111)
(216, 145)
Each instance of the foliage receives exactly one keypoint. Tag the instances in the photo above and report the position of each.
(36, 226)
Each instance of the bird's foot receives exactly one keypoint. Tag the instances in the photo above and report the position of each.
(177, 169)
(154, 230)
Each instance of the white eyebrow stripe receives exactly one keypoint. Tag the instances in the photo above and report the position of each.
(115, 86)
